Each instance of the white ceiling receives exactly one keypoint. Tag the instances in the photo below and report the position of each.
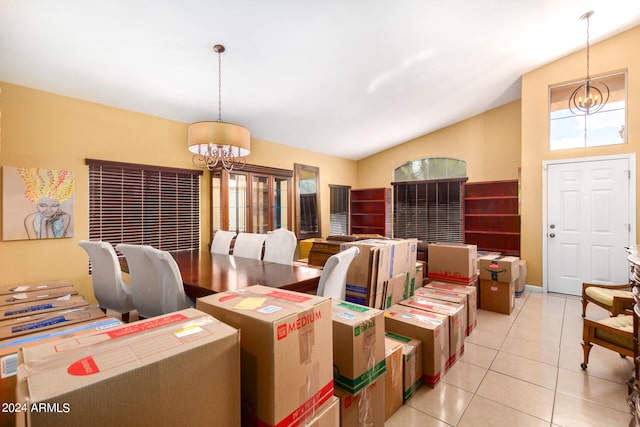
(342, 77)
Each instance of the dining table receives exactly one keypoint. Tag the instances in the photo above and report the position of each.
(204, 273)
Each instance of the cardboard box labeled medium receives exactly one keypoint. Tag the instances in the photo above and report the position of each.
(499, 268)
(393, 384)
(497, 296)
(455, 315)
(411, 363)
(287, 351)
(179, 369)
(470, 292)
(453, 262)
(358, 345)
(430, 328)
(365, 408)
(9, 355)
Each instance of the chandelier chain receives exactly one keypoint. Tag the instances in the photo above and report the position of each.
(219, 86)
(587, 17)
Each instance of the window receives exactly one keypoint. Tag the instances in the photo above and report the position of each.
(605, 127)
(255, 199)
(146, 205)
(427, 200)
(430, 211)
(339, 209)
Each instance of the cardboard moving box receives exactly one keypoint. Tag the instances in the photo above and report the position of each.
(33, 286)
(470, 292)
(456, 315)
(430, 328)
(499, 268)
(17, 326)
(326, 416)
(179, 369)
(36, 295)
(453, 262)
(368, 272)
(498, 296)
(522, 277)
(287, 351)
(393, 384)
(9, 355)
(358, 345)
(411, 364)
(24, 309)
(366, 408)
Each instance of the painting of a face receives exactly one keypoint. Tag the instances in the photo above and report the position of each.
(37, 203)
(48, 206)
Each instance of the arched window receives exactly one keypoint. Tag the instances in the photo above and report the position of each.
(427, 195)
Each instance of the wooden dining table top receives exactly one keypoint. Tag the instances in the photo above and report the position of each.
(204, 273)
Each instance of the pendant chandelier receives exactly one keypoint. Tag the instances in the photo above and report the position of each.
(589, 97)
(219, 144)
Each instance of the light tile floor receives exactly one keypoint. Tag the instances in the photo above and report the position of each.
(523, 369)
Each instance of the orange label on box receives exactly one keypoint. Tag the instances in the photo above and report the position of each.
(146, 325)
(289, 296)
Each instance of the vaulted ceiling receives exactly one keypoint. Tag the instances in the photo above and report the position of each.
(341, 77)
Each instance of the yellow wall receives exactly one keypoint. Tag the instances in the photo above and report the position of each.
(40, 129)
(614, 54)
(488, 142)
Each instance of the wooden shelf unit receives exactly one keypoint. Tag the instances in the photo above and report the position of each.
(490, 216)
(371, 211)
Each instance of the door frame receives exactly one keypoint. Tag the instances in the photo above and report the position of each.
(631, 157)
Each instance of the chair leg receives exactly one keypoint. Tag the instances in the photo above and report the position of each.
(586, 348)
(584, 307)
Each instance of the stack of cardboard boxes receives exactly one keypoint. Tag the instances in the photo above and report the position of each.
(383, 273)
(35, 313)
(359, 364)
(182, 368)
(287, 363)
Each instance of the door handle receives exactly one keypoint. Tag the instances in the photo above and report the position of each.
(552, 235)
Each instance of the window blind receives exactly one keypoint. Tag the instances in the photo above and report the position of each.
(430, 211)
(144, 205)
(339, 210)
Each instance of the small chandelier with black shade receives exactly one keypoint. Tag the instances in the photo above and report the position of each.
(218, 144)
(590, 96)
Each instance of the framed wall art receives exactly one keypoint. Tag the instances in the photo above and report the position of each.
(37, 203)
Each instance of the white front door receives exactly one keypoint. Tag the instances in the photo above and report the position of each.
(588, 223)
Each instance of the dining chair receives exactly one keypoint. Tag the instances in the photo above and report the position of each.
(222, 242)
(333, 279)
(170, 283)
(145, 287)
(108, 287)
(280, 246)
(249, 245)
(616, 299)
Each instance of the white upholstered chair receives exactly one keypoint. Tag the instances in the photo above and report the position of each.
(333, 279)
(280, 246)
(108, 287)
(222, 242)
(249, 245)
(145, 281)
(171, 286)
